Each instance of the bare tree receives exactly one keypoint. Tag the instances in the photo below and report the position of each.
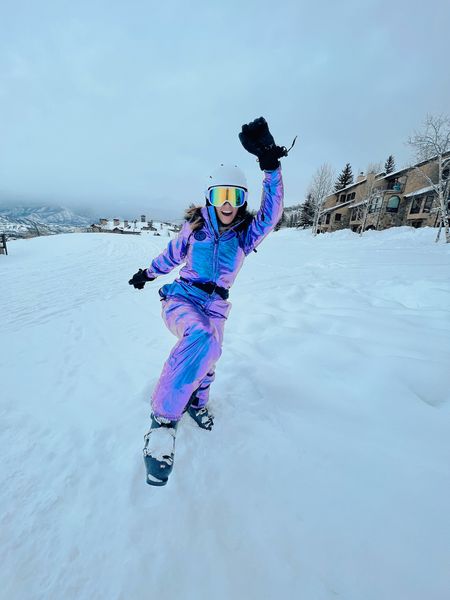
(433, 142)
(374, 167)
(34, 224)
(321, 186)
(370, 197)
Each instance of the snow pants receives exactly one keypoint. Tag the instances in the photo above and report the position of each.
(191, 363)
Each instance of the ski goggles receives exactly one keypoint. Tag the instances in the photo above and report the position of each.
(217, 196)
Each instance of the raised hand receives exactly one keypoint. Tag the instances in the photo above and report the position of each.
(257, 139)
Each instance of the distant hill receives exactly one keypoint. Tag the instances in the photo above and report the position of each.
(22, 221)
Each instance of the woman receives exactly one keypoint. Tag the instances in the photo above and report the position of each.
(213, 243)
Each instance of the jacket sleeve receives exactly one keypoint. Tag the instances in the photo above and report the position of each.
(270, 211)
(173, 255)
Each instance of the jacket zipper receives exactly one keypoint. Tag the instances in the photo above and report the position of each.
(217, 237)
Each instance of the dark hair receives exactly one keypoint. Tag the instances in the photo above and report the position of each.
(194, 216)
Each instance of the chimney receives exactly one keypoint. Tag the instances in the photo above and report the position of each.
(360, 177)
(143, 219)
(116, 222)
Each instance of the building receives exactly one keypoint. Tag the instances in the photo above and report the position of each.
(379, 201)
(135, 227)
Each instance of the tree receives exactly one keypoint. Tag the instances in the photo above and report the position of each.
(433, 142)
(321, 186)
(307, 212)
(371, 194)
(374, 167)
(344, 179)
(282, 222)
(389, 165)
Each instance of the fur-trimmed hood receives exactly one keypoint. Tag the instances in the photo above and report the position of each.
(194, 216)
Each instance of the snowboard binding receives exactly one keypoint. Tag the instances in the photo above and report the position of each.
(159, 450)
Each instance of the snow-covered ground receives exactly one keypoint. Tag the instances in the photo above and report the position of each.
(326, 475)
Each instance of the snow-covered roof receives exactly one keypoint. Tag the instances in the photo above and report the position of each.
(350, 185)
(394, 173)
(332, 208)
(359, 203)
(347, 187)
(445, 156)
(423, 190)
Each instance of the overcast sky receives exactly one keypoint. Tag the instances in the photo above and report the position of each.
(126, 107)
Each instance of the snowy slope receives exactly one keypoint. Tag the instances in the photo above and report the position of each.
(326, 475)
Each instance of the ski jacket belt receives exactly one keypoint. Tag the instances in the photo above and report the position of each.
(209, 287)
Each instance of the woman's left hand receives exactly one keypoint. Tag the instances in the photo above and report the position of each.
(257, 139)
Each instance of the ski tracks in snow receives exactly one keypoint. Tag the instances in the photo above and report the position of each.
(328, 452)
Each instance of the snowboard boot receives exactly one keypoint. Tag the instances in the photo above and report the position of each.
(201, 416)
(159, 450)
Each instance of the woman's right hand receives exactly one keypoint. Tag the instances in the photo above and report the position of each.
(140, 278)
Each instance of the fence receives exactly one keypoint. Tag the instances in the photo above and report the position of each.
(3, 248)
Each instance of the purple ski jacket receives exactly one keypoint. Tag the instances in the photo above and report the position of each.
(211, 256)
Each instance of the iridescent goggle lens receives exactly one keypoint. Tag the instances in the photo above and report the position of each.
(219, 195)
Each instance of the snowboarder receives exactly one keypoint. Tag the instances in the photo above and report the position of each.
(212, 243)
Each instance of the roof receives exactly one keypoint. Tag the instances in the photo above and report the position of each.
(395, 173)
(327, 210)
(347, 187)
(445, 156)
(424, 190)
(365, 201)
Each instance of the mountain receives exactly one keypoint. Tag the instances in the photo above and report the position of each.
(23, 221)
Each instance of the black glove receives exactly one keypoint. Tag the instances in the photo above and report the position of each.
(257, 139)
(140, 278)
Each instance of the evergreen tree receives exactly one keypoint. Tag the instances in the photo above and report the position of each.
(307, 212)
(389, 165)
(344, 179)
(282, 222)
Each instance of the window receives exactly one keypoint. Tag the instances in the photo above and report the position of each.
(428, 204)
(394, 184)
(342, 198)
(337, 216)
(375, 204)
(392, 205)
(415, 206)
(352, 195)
(327, 220)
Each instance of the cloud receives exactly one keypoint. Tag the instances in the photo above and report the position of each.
(110, 104)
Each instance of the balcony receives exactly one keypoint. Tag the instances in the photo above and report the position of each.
(395, 187)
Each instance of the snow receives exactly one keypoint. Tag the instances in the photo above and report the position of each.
(423, 190)
(326, 474)
(359, 203)
(396, 173)
(336, 207)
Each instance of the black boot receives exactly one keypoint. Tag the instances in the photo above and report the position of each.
(159, 450)
(201, 416)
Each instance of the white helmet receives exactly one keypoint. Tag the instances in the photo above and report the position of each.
(227, 175)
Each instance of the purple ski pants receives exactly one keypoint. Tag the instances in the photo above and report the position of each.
(192, 361)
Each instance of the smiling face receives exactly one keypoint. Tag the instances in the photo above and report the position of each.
(226, 213)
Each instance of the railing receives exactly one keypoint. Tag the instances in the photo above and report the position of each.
(395, 186)
(3, 248)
